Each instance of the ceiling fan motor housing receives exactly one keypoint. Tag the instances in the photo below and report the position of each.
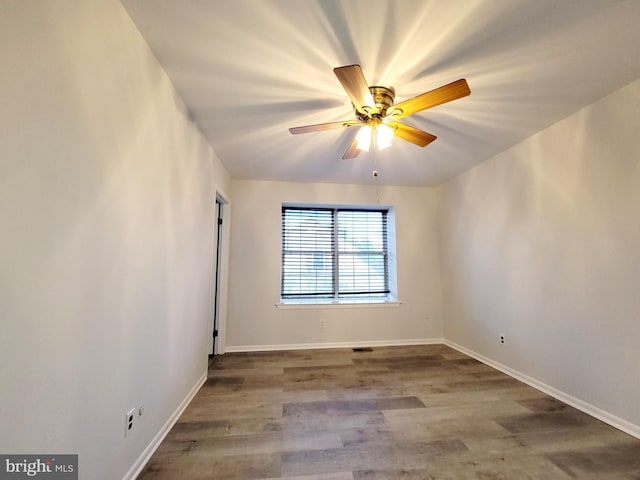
(382, 99)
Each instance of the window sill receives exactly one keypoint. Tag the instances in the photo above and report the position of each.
(340, 304)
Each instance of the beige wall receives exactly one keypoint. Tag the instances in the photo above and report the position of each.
(254, 287)
(542, 244)
(106, 210)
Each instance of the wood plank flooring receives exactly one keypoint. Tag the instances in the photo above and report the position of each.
(420, 412)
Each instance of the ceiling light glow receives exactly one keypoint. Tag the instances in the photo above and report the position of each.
(364, 138)
(384, 134)
(379, 136)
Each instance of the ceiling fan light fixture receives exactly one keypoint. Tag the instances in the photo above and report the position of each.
(384, 135)
(364, 138)
(377, 136)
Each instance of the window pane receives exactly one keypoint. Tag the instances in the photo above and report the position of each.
(362, 252)
(307, 274)
(362, 273)
(308, 230)
(361, 231)
(307, 252)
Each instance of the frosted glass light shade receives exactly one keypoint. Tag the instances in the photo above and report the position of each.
(384, 134)
(364, 138)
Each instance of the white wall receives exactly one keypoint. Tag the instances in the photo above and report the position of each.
(254, 283)
(106, 210)
(542, 243)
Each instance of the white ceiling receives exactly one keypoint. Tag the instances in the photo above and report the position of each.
(250, 69)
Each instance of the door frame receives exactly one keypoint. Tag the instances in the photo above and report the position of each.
(218, 304)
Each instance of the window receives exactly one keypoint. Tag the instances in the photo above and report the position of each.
(334, 254)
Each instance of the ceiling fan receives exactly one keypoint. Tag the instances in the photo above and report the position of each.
(376, 113)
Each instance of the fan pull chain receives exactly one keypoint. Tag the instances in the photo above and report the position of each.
(375, 164)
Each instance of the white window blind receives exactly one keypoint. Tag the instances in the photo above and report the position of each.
(334, 253)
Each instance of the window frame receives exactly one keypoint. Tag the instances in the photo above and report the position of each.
(386, 294)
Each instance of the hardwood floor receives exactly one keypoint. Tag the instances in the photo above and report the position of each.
(419, 412)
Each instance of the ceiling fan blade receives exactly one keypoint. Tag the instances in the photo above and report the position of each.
(353, 151)
(354, 83)
(322, 126)
(413, 135)
(444, 94)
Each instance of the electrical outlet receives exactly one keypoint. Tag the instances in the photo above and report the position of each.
(502, 339)
(322, 323)
(128, 426)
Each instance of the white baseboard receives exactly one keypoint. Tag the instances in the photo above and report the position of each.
(606, 417)
(354, 344)
(142, 460)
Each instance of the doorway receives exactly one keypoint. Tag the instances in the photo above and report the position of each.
(218, 278)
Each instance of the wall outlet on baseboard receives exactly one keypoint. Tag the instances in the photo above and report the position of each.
(502, 339)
